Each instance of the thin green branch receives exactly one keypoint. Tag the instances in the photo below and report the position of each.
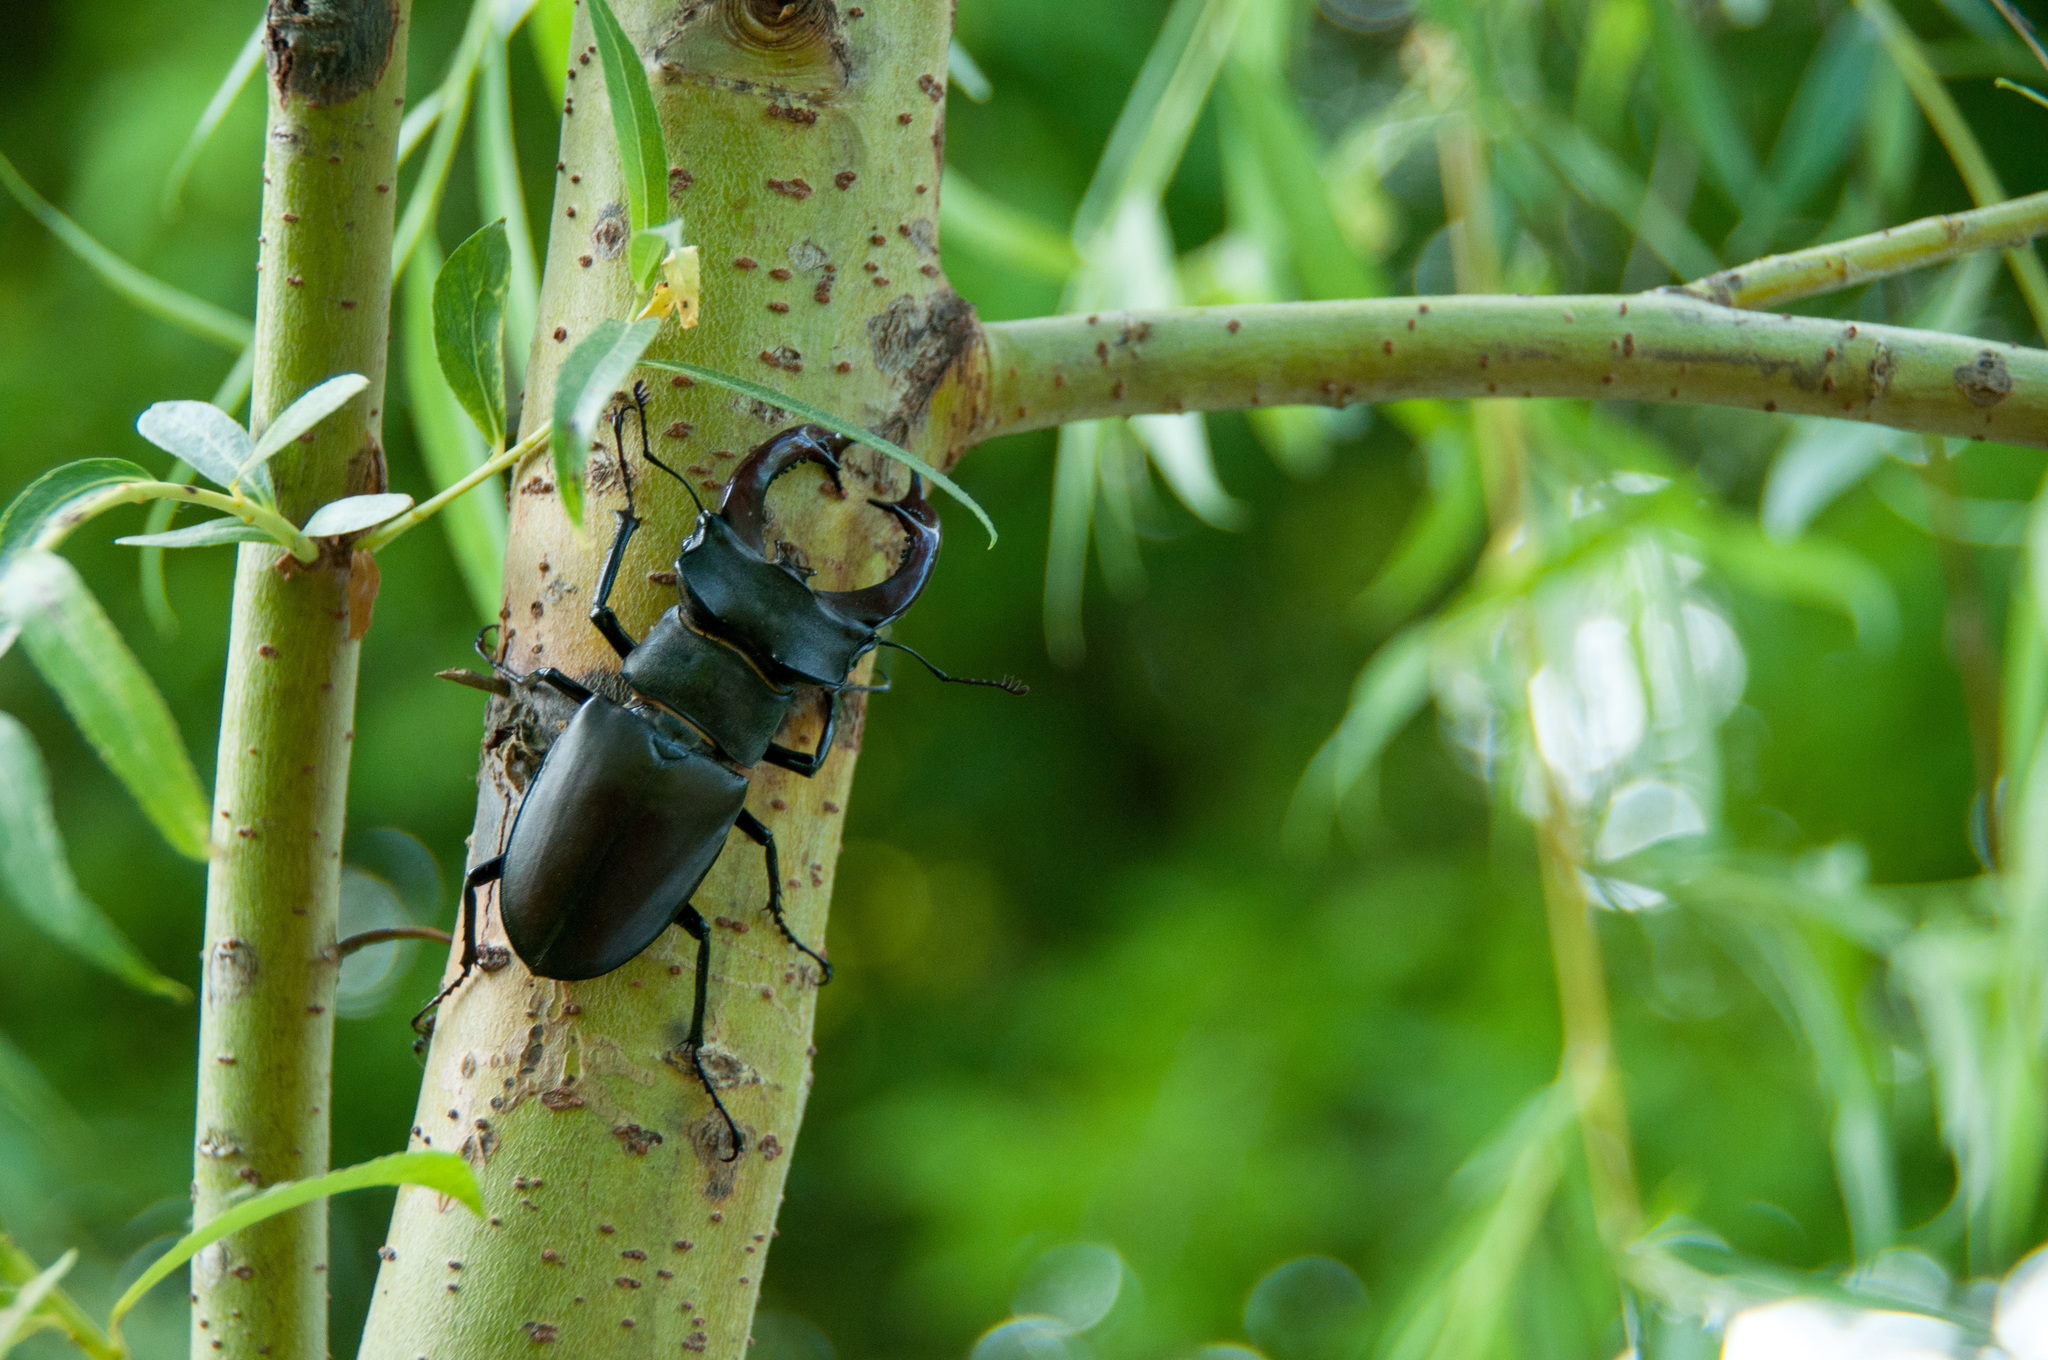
(1895, 250)
(1954, 130)
(152, 295)
(481, 473)
(137, 493)
(1661, 347)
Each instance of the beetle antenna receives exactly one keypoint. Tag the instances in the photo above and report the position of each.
(1009, 684)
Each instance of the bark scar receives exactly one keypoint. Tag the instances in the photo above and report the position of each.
(328, 51)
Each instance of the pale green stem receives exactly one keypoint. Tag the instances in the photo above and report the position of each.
(1659, 347)
(17, 1267)
(483, 472)
(1895, 250)
(1954, 130)
(266, 1023)
(137, 493)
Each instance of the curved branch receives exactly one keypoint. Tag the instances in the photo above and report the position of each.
(1860, 259)
(1665, 346)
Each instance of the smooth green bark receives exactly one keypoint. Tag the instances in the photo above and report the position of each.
(1664, 346)
(806, 148)
(266, 1029)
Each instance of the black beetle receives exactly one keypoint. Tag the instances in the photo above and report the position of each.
(633, 802)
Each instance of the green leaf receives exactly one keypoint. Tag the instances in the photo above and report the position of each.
(469, 327)
(972, 218)
(1159, 116)
(649, 249)
(210, 534)
(312, 407)
(1692, 85)
(109, 696)
(1443, 536)
(966, 72)
(196, 316)
(499, 187)
(819, 416)
(443, 1172)
(231, 86)
(352, 514)
(37, 1107)
(1389, 692)
(15, 1320)
(450, 445)
(1076, 473)
(1600, 178)
(634, 120)
(589, 377)
(200, 433)
(1812, 571)
(36, 874)
(44, 499)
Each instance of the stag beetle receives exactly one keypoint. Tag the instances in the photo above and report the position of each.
(633, 802)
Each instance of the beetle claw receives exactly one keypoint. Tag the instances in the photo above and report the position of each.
(877, 604)
(746, 494)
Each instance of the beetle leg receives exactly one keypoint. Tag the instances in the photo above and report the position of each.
(692, 922)
(601, 613)
(756, 831)
(808, 763)
(487, 872)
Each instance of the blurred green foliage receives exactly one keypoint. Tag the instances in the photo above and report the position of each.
(1086, 999)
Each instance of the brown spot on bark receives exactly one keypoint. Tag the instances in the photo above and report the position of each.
(916, 342)
(1986, 382)
(844, 179)
(328, 51)
(797, 188)
(611, 231)
(791, 113)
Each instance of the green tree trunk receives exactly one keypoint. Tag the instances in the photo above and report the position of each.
(336, 85)
(807, 140)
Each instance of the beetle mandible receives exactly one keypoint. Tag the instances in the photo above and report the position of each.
(633, 802)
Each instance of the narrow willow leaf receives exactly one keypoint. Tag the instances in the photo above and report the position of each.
(423, 209)
(1179, 445)
(312, 407)
(634, 120)
(1282, 146)
(1159, 116)
(451, 447)
(36, 873)
(1603, 180)
(110, 697)
(210, 534)
(352, 514)
(37, 1107)
(195, 316)
(1389, 692)
(420, 119)
(1693, 86)
(586, 383)
(231, 86)
(963, 70)
(469, 327)
(1821, 127)
(1075, 474)
(817, 415)
(1812, 571)
(971, 217)
(204, 436)
(1443, 536)
(443, 1172)
(504, 196)
(43, 500)
(16, 1318)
